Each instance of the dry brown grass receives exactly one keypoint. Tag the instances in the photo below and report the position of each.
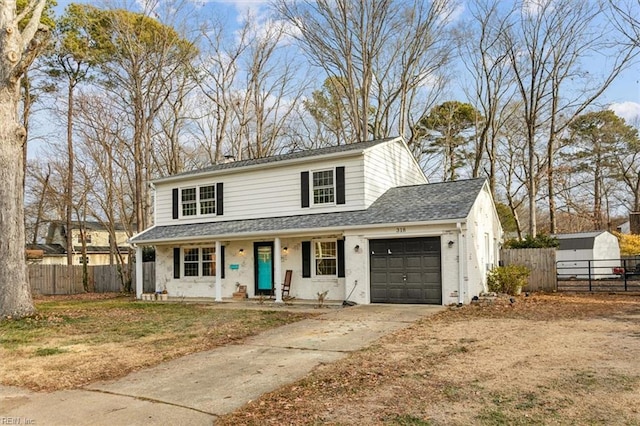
(76, 340)
(545, 359)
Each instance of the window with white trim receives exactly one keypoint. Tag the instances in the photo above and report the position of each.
(323, 187)
(199, 261)
(325, 254)
(198, 201)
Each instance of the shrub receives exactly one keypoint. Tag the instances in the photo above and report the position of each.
(507, 279)
(539, 241)
(629, 244)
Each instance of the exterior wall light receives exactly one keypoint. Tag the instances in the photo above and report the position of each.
(450, 243)
(357, 248)
(241, 252)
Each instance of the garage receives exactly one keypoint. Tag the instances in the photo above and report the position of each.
(406, 270)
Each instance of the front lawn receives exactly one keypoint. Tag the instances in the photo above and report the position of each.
(543, 360)
(75, 341)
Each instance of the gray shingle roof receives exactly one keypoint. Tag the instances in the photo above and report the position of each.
(283, 157)
(445, 201)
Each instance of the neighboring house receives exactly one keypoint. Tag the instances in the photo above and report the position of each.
(97, 239)
(357, 221)
(624, 228)
(46, 254)
(587, 253)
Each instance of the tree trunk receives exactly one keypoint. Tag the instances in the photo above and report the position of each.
(15, 294)
(69, 189)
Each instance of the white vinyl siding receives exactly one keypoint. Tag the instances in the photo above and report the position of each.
(266, 192)
(387, 166)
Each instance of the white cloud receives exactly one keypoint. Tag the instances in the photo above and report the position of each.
(535, 7)
(628, 110)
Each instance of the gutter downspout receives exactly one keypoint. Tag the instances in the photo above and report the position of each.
(461, 264)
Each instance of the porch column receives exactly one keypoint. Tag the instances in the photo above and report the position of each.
(218, 285)
(277, 268)
(139, 273)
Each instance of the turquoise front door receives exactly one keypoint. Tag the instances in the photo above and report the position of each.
(263, 255)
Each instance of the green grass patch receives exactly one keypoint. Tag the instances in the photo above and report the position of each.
(49, 351)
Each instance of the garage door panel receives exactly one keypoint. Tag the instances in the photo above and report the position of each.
(431, 245)
(431, 277)
(410, 274)
(378, 262)
(414, 262)
(415, 278)
(430, 262)
(413, 247)
(395, 262)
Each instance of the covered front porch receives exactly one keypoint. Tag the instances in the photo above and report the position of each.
(216, 269)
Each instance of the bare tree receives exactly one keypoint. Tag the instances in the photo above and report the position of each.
(485, 56)
(19, 46)
(252, 87)
(385, 53)
(625, 17)
(142, 57)
(546, 47)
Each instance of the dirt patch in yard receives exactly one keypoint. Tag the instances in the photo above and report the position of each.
(544, 359)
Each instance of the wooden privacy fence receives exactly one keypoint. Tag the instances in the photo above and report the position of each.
(541, 262)
(63, 279)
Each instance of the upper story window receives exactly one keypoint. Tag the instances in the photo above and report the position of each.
(325, 253)
(199, 200)
(323, 187)
(87, 238)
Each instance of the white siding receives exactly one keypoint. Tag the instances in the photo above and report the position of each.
(268, 192)
(482, 234)
(387, 166)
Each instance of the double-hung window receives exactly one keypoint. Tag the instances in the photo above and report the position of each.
(323, 187)
(199, 200)
(199, 261)
(325, 253)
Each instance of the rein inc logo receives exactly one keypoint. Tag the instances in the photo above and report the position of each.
(16, 421)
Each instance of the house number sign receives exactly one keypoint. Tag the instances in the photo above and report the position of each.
(401, 229)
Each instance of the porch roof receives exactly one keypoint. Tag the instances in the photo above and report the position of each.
(436, 202)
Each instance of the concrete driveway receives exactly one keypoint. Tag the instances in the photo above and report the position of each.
(195, 389)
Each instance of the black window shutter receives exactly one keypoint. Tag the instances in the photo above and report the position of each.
(222, 261)
(219, 199)
(340, 258)
(175, 203)
(176, 262)
(306, 259)
(340, 198)
(304, 188)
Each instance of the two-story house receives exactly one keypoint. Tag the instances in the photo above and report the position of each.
(100, 250)
(359, 221)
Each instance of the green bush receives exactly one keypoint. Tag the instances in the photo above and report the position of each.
(539, 241)
(508, 279)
